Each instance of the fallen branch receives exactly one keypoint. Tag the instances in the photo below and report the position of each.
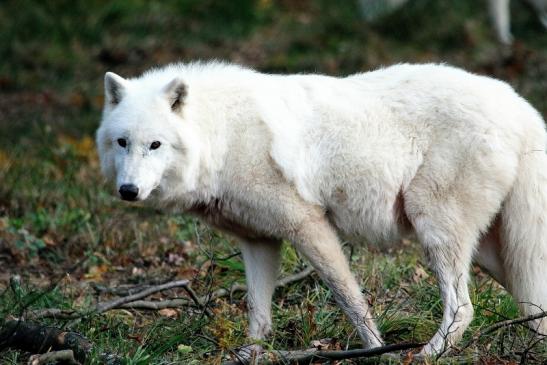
(506, 323)
(53, 313)
(37, 339)
(511, 322)
(128, 289)
(130, 300)
(113, 304)
(314, 356)
(65, 356)
(156, 304)
(294, 277)
(133, 301)
(105, 306)
(203, 300)
(219, 293)
(197, 301)
(121, 290)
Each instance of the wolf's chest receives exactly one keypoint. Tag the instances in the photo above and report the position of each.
(218, 215)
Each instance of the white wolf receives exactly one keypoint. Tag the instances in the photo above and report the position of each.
(456, 158)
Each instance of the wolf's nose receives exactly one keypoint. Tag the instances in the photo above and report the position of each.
(129, 192)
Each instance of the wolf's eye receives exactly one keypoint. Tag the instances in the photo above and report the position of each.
(155, 145)
(122, 142)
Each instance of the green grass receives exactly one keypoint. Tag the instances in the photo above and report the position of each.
(57, 216)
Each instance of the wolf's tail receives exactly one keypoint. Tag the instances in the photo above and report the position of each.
(524, 231)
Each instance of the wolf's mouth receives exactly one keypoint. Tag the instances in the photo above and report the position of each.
(155, 193)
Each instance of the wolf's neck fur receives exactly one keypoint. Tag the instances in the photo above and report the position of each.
(217, 132)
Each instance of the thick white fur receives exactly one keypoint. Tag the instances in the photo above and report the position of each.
(456, 158)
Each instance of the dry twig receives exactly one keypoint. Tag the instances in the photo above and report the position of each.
(203, 300)
(510, 322)
(36, 338)
(133, 301)
(156, 304)
(316, 356)
(219, 293)
(65, 356)
(105, 306)
(113, 304)
(53, 313)
(506, 323)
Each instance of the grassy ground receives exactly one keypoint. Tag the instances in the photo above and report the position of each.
(57, 216)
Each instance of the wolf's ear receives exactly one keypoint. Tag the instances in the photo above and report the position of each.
(175, 91)
(114, 88)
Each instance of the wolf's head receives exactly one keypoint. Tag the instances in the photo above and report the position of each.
(146, 147)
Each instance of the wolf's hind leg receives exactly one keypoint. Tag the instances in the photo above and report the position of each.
(450, 260)
(261, 267)
(448, 230)
(318, 242)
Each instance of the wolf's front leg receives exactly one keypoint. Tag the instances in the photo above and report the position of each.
(261, 268)
(318, 241)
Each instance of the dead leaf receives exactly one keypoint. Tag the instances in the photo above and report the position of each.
(408, 358)
(96, 272)
(5, 161)
(49, 241)
(174, 259)
(406, 242)
(136, 338)
(149, 251)
(187, 272)
(77, 99)
(168, 312)
(419, 274)
(189, 247)
(84, 147)
(326, 344)
(137, 271)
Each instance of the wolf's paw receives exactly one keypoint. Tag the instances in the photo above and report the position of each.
(249, 354)
(434, 350)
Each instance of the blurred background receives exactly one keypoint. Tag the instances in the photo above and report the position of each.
(55, 210)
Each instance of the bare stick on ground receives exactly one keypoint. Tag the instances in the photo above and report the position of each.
(36, 338)
(125, 301)
(134, 300)
(105, 306)
(316, 356)
(112, 304)
(157, 304)
(53, 313)
(289, 279)
(201, 301)
(511, 322)
(506, 323)
(122, 302)
(64, 356)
